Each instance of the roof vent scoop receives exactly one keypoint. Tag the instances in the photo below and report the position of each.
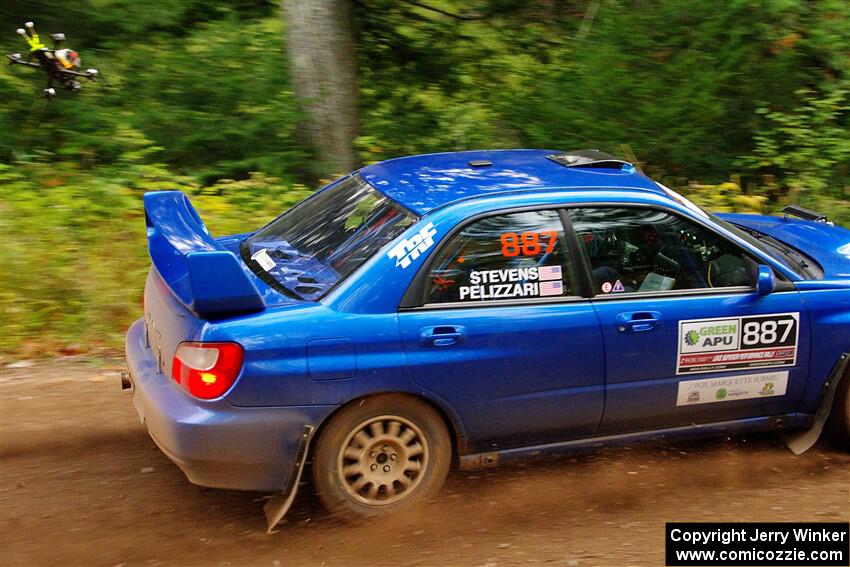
(805, 214)
(591, 159)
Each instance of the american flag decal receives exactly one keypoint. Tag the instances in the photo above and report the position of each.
(550, 273)
(551, 288)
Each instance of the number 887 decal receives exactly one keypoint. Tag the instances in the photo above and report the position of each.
(711, 345)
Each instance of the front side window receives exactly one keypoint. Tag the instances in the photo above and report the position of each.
(647, 250)
(325, 238)
(513, 256)
(795, 260)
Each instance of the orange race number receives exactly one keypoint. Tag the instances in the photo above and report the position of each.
(527, 243)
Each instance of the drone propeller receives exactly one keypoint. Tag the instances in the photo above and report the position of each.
(32, 39)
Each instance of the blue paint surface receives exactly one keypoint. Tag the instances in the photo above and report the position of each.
(505, 376)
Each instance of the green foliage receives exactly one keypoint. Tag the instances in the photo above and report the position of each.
(725, 198)
(676, 82)
(808, 150)
(73, 253)
(70, 258)
(740, 104)
(214, 99)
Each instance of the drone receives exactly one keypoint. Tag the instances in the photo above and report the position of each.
(61, 65)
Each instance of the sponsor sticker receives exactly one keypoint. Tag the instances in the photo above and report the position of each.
(512, 282)
(263, 259)
(731, 388)
(711, 345)
(409, 249)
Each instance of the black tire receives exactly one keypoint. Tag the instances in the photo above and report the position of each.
(379, 456)
(838, 424)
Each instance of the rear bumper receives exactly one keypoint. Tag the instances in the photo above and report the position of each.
(215, 443)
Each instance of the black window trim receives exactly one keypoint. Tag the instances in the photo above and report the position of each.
(783, 284)
(731, 290)
(522, 301)
(414, 300)
(583, 269)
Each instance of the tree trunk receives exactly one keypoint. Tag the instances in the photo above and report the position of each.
(323, 67)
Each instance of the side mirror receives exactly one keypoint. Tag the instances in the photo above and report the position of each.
(765, 281)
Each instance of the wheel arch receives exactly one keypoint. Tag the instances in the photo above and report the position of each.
(840, 430)
(447, 414)
(839, 375)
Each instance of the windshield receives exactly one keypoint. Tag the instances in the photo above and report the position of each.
(793, 259)
(317, 244)
(801, 264)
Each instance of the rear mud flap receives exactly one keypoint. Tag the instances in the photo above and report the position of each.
(801, 442)
(277, 506)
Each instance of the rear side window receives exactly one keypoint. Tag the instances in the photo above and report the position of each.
(310, 248)
(513, 256)
(647, 250)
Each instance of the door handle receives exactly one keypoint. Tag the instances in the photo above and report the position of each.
(442, 335)
(638, 321)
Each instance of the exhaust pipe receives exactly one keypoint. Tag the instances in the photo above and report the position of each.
(126, 384)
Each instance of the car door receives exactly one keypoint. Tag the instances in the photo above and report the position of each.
(502, 334)
(687, 338)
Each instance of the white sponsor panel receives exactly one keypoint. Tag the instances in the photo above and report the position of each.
(729, 343)
(731, 388)
(709, 335)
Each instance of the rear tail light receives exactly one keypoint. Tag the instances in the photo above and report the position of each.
(206, 370)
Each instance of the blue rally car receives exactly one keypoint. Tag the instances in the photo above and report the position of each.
(475, 308)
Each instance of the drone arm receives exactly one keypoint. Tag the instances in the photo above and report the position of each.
(87, 74)
(18, 61)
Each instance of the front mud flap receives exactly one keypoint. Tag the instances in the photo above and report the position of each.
(277, 506)
(801, 442)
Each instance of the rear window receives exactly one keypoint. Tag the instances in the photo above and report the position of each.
(322, 240)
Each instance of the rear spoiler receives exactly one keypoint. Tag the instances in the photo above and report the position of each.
(204, 276)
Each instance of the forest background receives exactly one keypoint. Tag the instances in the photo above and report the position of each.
(740, 104)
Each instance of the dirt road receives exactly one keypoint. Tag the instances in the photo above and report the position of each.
(82, 484)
